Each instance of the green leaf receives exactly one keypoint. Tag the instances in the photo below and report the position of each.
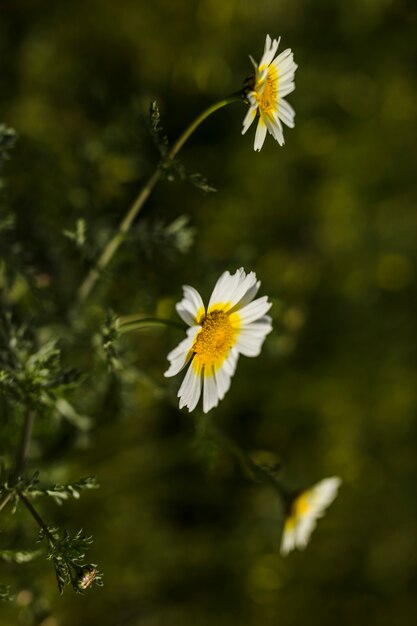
(61, 493)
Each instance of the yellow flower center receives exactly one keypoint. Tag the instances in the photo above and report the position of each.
(214, 341)
(300, 507)
(268, 96)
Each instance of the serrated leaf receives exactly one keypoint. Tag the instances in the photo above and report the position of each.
(62, 492)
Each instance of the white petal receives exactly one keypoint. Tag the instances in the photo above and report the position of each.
(179, 356)
(231, 362)
(183, 310)
(271, 47)
(260, 327)
(324, 493)
(249, 344)
(225, 288)
(285, 57)
(275, 128)
(223, 381)
(210, 395)
(286, 113)
(245, 284)
(260, 135)
(248, 296)
(285, 89)
(176, 365)
(249, 117)
(219, 291)
(191, 306)
(190, 390)
(254, 310)
(288, 541)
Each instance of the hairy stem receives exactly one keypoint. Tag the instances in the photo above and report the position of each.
(114, 243)
(20, 456)
(36, 516)
(24, 444)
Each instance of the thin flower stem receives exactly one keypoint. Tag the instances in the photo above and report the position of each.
(5, 499)
(24, 444)
(20, 456)
(114, 243)
(132, 322)
(256, 472)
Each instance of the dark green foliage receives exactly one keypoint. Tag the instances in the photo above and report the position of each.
(157, 237)
(172, 167)
(31, 376)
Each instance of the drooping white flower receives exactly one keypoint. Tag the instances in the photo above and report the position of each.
(273, 80)
(304, 511)
(234, 323)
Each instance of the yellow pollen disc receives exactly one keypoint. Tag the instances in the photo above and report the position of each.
(268, 97)
(213, 342)
(302, 505)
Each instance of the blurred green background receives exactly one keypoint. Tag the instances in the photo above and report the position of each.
(329, 224)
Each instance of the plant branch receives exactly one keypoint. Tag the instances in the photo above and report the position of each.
(114, 243)
(24, 444)
(256, 472)
(20, 456)
(36, 516)
(129, 323)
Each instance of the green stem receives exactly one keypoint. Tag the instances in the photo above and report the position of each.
(5, 499)
(132, 322)
(20, 457)
(36, 516)
(256, 472)
(24, 444)
(114, 243)
(70, 565)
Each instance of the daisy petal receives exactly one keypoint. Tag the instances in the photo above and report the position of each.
(190, 390)
(254, 310)
(223, 382)
(249, 118)
(260, 135)
(210, 395)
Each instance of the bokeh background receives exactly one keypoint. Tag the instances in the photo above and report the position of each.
(329, 224)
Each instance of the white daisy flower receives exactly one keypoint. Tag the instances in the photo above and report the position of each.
(273, 80)
(304, 511)
(233, 324)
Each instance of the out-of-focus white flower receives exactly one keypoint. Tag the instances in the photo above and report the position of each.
(273, 80)
(234, 323)
(304, 511)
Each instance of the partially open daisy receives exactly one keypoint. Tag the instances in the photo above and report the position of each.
(303, 512)
(273, 80)
(234, 323)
